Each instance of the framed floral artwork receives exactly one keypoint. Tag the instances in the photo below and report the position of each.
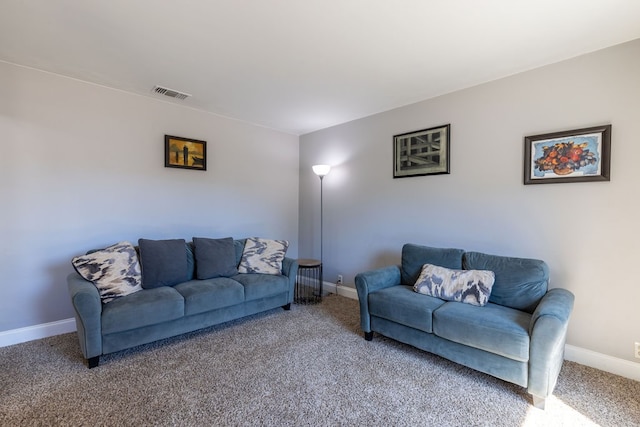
(571, 156)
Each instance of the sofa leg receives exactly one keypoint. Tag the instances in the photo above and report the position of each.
(368, 336)
(93, 362)
(287, 307)
(538, 402)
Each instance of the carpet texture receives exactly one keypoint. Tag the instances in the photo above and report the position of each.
(306, 367)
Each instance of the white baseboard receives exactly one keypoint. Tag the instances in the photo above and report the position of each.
(614, 365)
(30, 333)
(344, 291)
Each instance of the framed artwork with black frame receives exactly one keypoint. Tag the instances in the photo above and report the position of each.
(571, 156)
(422, 152)
(185, 153)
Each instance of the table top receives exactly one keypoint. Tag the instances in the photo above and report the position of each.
(308, 262)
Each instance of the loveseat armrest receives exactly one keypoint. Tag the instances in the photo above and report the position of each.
(87, 306)
(290, 269)
(371, 281)
(548, 332)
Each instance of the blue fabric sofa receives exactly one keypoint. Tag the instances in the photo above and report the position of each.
(165, 311)
(518, 336)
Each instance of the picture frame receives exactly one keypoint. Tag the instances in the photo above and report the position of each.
(422, 152)
(579, 155)
(185, 153)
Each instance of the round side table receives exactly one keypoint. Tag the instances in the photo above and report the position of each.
(308, 288)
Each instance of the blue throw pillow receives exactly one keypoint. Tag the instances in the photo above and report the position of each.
(164, 262)
(215, 257)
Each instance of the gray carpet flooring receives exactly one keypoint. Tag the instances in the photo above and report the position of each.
(306, 367)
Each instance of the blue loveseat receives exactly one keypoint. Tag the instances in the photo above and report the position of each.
(164, 311)
(518, 336)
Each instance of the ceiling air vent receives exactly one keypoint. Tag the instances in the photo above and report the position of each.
(170, 92)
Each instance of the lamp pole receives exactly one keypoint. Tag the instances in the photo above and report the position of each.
(321, 171)
(321, 223)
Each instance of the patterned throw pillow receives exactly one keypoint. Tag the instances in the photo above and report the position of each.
(263, 256)
(468, 286)
(114, 270)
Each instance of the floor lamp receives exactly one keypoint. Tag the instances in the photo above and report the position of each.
(321, 171)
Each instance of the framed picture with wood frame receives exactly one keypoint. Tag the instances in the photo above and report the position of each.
(570, 156)
(422, 152)
(185, 153)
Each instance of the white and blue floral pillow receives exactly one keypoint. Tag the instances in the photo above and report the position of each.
(115, 270)
(263, 256)
(467, 286)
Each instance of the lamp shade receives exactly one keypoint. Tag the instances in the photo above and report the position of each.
(321, 170)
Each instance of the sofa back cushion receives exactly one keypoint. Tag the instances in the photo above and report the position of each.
(214, 257)
(415, 256)
(520, 282)
(164, 262)
(238, 246)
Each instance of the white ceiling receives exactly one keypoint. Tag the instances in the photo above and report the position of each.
(303, 65)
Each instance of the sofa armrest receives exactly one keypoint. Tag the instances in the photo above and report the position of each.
(548, 332)
(290, 269)
(88, 311)
(557, 302)
(371, 281)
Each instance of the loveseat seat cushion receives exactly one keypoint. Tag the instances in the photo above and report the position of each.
(144, 308)
(258, 286)
(205, 295)
(520, 282)
(402, 305)
(415, 256)
(493, 328)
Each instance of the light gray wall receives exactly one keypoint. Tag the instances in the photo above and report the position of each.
(83, 167)
(587, 232)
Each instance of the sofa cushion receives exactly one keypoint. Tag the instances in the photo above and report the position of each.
(467, 286)
(493, 328)
(164, 262)
(415, 256)
(520, 282)
(402, 305)
(258, 286)
(214, 257)
(206, 295)
(115, 270)
(145, 308)
(263, 256)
